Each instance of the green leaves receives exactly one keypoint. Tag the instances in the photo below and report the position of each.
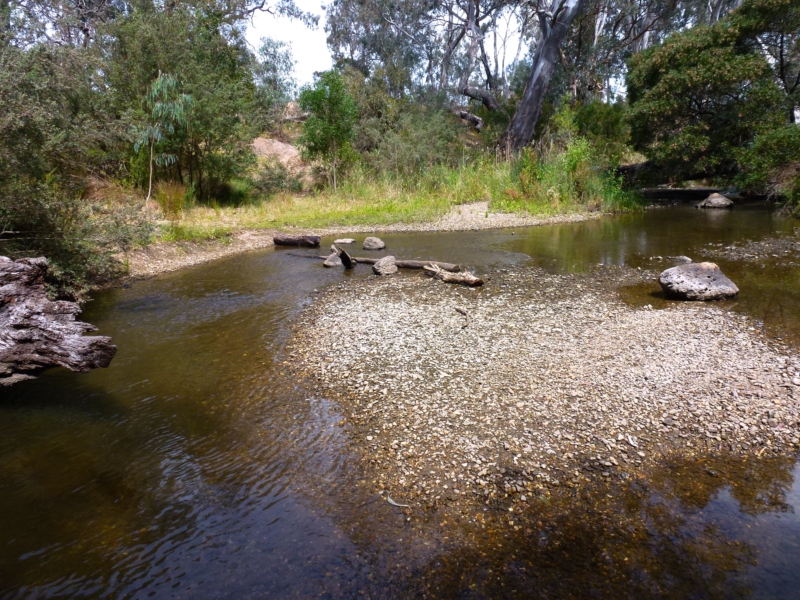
(328, 131)
(700, 95)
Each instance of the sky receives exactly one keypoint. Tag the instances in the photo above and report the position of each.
(308, 46)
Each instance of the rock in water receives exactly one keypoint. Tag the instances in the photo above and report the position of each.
(334, 260)
(697, 281)
(716, 201)
(345, 241)
(373, 243)
(385, 266)
(36, 332)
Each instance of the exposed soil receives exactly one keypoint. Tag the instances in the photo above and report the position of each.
(553, 382)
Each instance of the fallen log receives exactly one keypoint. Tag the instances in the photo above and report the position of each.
(36, 332)
(348, 261)
(464, 278)
(414, 264)
(286, 239)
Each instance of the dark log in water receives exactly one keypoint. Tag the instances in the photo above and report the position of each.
(286, 239)
(348, 261)
(36, 332)
(464, 278)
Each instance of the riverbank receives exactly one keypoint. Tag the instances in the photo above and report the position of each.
(552, 383)
(163, 257)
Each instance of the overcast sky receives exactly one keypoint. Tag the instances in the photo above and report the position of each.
(308, 45)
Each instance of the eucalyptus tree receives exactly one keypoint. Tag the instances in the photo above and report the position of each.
(167, 111)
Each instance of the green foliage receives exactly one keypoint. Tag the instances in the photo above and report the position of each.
(771, 165)
(215, 69)
(273, 178)
(167, 112)
(605, 127)
(567, 171)
(52, 133)
(701, 95)
(328, 131)
(275, 86)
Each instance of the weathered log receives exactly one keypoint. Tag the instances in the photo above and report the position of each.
(413, 264)
(464, 278)
(347, 260)
(36, 332)
(286, 239)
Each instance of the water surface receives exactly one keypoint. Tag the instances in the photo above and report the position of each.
(194, 466)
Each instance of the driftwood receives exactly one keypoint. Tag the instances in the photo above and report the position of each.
(286, 239)
(463, 311)
(36, 332)
(464, 278)
(414, 264)
(402, 264)
(348, 261)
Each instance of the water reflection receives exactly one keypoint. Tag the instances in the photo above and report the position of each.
(705, 528)
(193, 467)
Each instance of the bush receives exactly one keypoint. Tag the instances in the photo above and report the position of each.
(771, 165)
(605, 127)
(172, 197)
(700, 96)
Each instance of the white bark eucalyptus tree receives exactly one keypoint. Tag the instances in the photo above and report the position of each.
(555, 18)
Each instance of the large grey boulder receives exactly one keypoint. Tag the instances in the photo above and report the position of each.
(716, 201)
(697, 281)
(373, 243)
(385, 266)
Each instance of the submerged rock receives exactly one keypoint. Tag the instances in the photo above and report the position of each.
(374, 243)
(385, 266)
(680, 259)
(697, 281)
(716, 201)
(345, 241)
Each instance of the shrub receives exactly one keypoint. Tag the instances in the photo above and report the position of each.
(771, 165)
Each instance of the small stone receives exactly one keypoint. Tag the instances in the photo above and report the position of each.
(332, 261)
(385, 266)
(345, 241)
(374, 243)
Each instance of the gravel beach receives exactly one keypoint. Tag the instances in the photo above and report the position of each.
(553, 382)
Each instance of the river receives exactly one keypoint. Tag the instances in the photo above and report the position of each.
(195, 467)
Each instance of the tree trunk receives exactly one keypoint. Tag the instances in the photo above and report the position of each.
(286, 239)
(554, 27)
(150, 182)
(36, 332)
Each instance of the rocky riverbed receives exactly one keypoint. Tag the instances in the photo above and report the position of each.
(781, 250)
(552, 381)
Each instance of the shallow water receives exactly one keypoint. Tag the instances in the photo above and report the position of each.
(195, 467)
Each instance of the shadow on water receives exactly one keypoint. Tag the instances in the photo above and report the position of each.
(195, 467)
(705, 528)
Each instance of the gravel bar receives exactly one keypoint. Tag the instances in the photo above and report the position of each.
(554, 382)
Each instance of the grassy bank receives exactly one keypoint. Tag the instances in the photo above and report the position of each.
(526, 187)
